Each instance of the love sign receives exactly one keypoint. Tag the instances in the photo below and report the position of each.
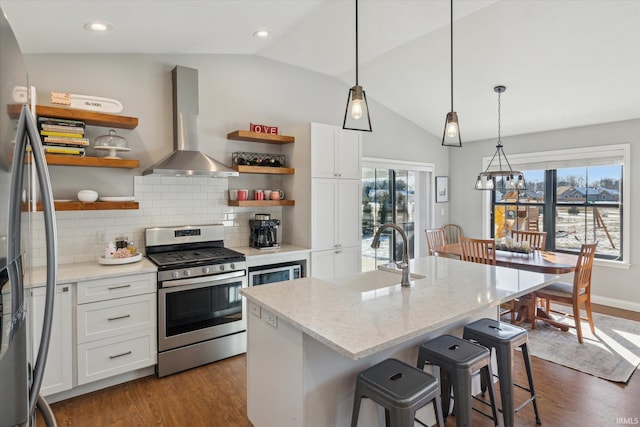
(272, 130)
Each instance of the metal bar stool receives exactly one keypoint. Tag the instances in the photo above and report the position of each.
(505, 337)
(400, 388)
(458, 360)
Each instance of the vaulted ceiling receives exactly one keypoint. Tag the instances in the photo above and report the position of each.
(565, 63)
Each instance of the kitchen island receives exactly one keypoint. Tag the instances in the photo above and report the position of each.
(308, 338)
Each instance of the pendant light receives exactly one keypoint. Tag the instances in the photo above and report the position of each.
(451, 135)
(357, 106)
(501, 178)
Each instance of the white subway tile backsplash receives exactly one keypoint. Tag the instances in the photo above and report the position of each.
(163, 201)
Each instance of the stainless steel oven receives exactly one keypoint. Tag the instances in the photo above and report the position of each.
(201, 313)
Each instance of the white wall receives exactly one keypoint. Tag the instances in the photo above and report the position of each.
(612, 286)
(234, 91)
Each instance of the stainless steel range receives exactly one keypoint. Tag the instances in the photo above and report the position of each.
(201, 314)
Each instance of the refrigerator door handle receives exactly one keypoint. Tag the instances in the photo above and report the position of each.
(46, 194)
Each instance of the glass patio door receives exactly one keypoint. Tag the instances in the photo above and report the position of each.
(389, 196)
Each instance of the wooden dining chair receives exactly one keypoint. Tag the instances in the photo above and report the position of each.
(452, 233)
(481, 251)
(435, 238)
(574, 294)
(478, 250)
(536, 239)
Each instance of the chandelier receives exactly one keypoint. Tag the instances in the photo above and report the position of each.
(503, 177)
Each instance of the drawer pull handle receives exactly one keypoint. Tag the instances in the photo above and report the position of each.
(119, 317)
(120, 355)
(119, 287)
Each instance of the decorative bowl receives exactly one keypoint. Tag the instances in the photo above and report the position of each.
(87, 195)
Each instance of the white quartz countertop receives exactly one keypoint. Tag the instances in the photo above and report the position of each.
(363, 314)
(68, 273)
(284, 250)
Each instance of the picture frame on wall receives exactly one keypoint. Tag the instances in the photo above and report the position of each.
(442, 189)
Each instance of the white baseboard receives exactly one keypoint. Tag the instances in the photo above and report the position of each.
(617, 303)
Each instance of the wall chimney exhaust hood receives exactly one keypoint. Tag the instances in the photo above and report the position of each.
(187, 159)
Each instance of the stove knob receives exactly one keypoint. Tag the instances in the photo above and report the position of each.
(187, 273)
(232, 266)
(175, 274)
(221, 267)
(206, 270)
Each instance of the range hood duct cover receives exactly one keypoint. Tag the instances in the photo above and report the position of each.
(187, 159)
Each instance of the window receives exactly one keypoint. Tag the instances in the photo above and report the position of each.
(576, 197)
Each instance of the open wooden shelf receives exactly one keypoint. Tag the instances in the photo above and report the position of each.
(101, 162)
(88, 117)
(257, 203)
(245, 135)
(94, 206)
(264, 169)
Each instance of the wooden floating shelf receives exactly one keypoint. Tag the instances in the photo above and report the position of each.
(264, 169)
(88, 117)
(58, 160)
(265, 203)
(82, 206)
(245, 135)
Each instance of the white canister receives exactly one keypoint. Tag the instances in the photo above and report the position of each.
(110, 250)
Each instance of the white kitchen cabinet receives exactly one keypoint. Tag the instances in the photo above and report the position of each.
(335, 152)
(58, 372)
(336, 262)
(335, 213)
(328, 193)
(115, 326)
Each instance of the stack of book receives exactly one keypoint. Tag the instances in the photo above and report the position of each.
(62, 136)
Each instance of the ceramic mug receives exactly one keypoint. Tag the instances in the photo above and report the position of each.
(276, 195)
(243, 194)
(233, 194)
(267, 194)
(259, 195)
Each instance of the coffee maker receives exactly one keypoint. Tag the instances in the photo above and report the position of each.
(264, 232)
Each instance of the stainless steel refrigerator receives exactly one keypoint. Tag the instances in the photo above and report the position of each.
(23, 173)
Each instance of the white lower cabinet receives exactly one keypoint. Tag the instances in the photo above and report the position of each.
(115, 326)
(112, 356)
(58, 372)
(336, 262)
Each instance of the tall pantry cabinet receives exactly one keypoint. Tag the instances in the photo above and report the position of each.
(327, 189)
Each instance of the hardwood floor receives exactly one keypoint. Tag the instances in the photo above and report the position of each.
(215, 395)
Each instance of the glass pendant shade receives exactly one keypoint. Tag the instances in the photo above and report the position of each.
(356, 115)
(451, 135)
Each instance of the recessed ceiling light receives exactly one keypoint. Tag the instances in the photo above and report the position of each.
(98, 26)
(261, 33)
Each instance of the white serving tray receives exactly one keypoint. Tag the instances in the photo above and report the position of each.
(118, 261)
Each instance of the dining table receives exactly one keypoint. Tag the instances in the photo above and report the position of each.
(548, 262)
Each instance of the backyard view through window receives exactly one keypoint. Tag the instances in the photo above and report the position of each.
(573, 205)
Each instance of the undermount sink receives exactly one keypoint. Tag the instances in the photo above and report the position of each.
(377, 279)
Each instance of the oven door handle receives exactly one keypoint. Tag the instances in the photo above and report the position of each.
(203, 279)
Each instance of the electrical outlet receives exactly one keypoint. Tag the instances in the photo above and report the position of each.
(270, 318)
(255, 310)
(102, 236)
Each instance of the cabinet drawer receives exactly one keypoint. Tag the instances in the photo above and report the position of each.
(116, 287)
(117, 317)
(112, 356)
